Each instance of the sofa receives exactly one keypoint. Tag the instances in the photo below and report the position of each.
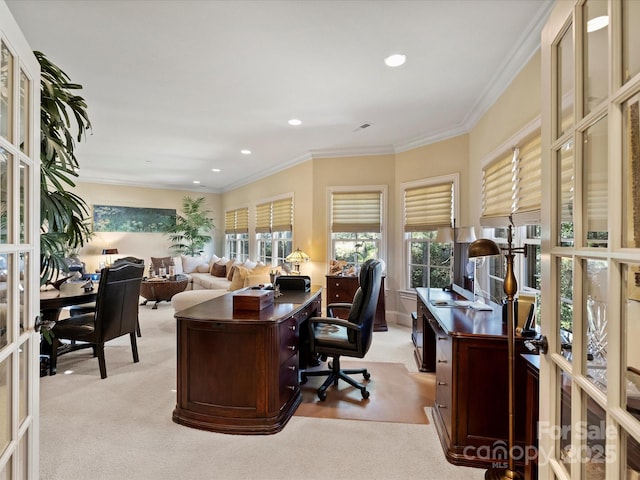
(211, 278)
(215, 273)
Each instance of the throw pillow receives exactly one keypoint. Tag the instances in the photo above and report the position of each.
(190, 264)
(230, 271)
(158, 261)
(249, 264)
(203, 268)
(218, 270)
(239, 274)
(261, 270)
(230, 265)
(216, 261)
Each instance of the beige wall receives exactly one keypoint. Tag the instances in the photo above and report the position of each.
(442, 158)
(518, 106)
(296, 181)
(141, 245)
(378, 170)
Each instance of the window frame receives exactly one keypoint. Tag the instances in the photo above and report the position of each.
(274, 238)
(490, 224)
(382, 240)
(406, 236)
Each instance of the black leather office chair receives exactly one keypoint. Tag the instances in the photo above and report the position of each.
(334, 337)
(116, 314)
(76, 310)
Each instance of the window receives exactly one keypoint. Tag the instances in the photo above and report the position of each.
(356, 225)
(511, 193)
(237, 234)
(274, 225)
(428, 206)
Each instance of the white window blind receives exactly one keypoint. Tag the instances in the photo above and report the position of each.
(282, 215)
(356, 212)
(263, 218)
(528, 191)
(428, 207)
(512, 186)
(276, 216)
(236, 221)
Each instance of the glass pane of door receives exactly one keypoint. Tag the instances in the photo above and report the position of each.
(565, 83)
(595, 184)
(596, 291)
(5, 218)
(565, 307)
(5, 301)
(630, 332)
(593, 458)
(566, 193)
(630, 39)
(596, 54)
(24, 113)
(6, 91)
(631, 171)
(563, 438)
(5, 403)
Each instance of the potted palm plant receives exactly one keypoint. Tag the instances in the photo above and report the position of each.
(192, 230)
(64, 215)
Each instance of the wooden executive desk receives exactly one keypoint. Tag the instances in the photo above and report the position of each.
(238, 371)
(468, 351)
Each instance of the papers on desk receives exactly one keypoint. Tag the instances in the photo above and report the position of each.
(480, 306)
(461, 304)
(450, 303)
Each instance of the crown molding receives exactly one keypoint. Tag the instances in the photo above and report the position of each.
(119, 183)
(352, 152)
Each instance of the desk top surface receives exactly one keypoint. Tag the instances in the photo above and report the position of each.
(462, 321)
(220, 309)
(58, 299)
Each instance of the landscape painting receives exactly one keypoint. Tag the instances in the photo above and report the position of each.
(109, 218)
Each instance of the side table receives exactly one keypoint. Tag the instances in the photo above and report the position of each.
(162, 290)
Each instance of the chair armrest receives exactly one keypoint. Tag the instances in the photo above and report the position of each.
(341, 306)
(334, 321)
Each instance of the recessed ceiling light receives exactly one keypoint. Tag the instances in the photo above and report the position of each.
(215, 170)
(294, 122)
(245, 151)
(597, 23)
(395, 60)
(196, 181)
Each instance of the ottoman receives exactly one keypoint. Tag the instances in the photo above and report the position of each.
(189, 298)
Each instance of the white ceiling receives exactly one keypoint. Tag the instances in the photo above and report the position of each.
(176, 88)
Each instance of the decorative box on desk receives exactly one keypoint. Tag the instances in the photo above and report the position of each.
(341, 289)
(252, 300)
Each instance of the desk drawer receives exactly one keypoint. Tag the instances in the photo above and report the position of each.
(288, 332)
(341, 289)
(444, 373)
(288, 380)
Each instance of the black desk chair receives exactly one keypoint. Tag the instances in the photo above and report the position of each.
(333, 337)
(116, 314)
(91, 307)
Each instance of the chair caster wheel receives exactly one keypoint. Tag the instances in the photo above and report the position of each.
(366, 375)
(365, 394)
(322, 396)
(303, 379)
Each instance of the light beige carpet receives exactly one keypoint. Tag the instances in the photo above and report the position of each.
(395, 395)
(121, 427)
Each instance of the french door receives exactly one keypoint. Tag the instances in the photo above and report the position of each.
(590, 379)
(19, 252)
